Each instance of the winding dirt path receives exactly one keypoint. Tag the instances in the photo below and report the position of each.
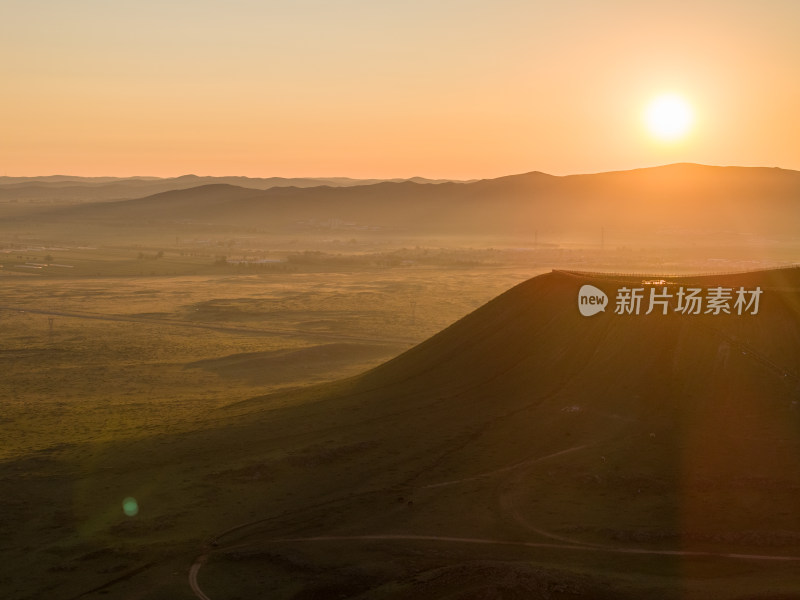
(503, 469)
(193, 577)
(201, 560)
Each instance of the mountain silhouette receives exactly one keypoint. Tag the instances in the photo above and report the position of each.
(683, 197)
(60, 188)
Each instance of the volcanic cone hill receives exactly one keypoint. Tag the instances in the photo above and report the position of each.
(642, 447)
(527, 451)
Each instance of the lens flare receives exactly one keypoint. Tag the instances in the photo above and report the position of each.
(130, 507)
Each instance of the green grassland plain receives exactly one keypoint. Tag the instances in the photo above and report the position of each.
(89, 358)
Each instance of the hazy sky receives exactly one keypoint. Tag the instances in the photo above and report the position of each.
(370, 88)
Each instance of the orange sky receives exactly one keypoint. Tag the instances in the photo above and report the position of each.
(462, 89)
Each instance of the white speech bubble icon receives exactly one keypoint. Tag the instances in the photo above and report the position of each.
(591, 300)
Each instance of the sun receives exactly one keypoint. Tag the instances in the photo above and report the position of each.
(669, 117)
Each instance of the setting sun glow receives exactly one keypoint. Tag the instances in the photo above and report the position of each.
(669, 117)
(305, 89)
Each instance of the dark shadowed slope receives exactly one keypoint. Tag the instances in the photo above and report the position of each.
(678, 197)
(653, 446)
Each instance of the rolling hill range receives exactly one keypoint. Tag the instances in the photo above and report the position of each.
(64, 188)
(691, 199)
(526, 451)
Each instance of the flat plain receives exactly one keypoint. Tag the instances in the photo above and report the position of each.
(112, 358)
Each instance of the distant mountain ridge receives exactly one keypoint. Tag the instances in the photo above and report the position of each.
(679, 197)
(70, 187)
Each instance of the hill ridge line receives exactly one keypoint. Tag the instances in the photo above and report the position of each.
(618, 276)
